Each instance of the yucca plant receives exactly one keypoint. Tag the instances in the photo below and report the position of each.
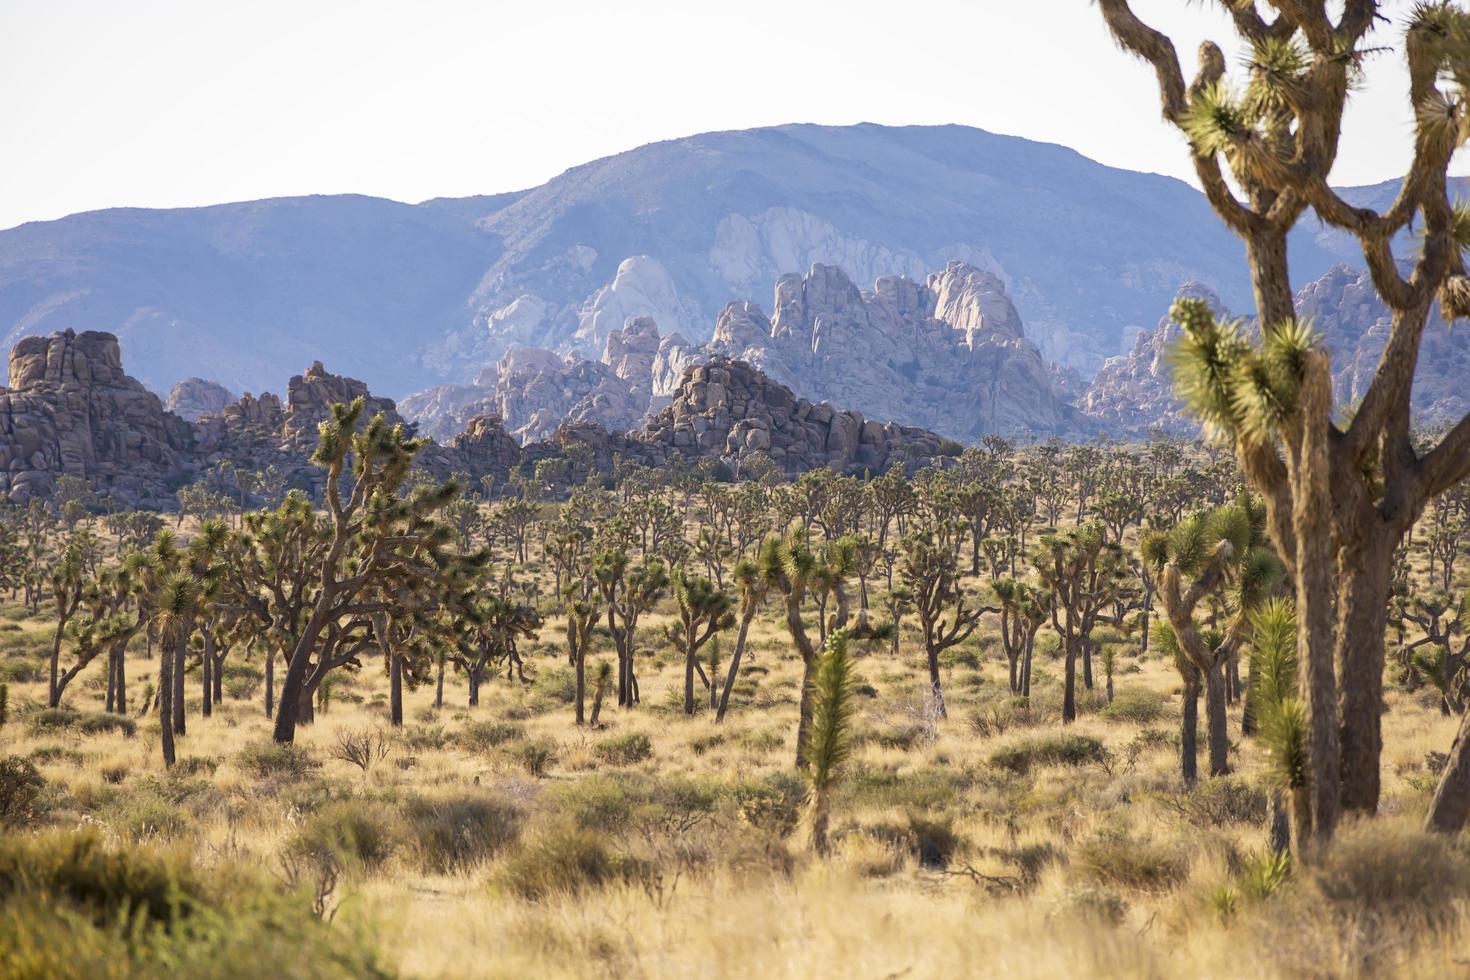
(600, 678)
(1277, 705)
(829, 740)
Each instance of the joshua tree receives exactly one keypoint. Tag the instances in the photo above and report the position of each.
(1084, 572)
(582, 612)
(628, 591)
(68, 587)
(1218, 555)
(1440, 655)
(931, 574)
(377, 537)
(488, 628)
(600, 679)
(1339, 499)
(703, 611)
(752, 580)
(1023, 611)
(827, 745)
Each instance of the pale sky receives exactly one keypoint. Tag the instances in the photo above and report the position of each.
(164, 103)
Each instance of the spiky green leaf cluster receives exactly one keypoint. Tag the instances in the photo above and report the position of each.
(829, 742)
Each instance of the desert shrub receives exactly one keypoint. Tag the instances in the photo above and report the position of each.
(1049, 750)
(564, 862)
(146, 813)
(1129, 862)
(1392, 872)
(102, 723)
(20, 670)
(241, 681)
(71, 905)
(771, 803)
(268, 760)
(932, 842)
(53, 719)
(422, 738)
(1138, 706)
(625, 750)
(358, 833)
(21, 785)
(960, 656)
(704, 743)
(903, 738)
(535, 756)
(364, 748)
(558, 684)
(457, 833)
(1222, 800)
(479, 736)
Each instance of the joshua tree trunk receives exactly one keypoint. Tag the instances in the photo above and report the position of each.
(120, 670)
(270, 683)
(1216, 719)
(166, 701)
(473, 676)
(1451, 804)
(1189, 725)
(180, 724)
(734, 670)
(218, 675)
(395, 690)
(439, 687)
(1069, 689)
(206, 674)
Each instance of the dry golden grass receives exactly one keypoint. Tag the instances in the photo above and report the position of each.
(945, 862)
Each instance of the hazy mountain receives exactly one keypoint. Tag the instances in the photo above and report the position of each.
(403, 296)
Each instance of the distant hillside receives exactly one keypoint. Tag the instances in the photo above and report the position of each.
(404, 296)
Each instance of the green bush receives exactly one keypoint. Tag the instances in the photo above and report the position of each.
(771, 803)
(564, 862)
(72, 906)
(21, 785)
(88, 723)
(478, 736)
(457, 833)
(535, 756)
(357, 833)
(1139, 706)
(625, 750)
(21, 670)
(269, 760)
(1049, 750)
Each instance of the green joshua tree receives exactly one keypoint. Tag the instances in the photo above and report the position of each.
(1339, 498)
(828, 743)
(752, 580)
(1218, 556)
(931, 573)
(702, 611)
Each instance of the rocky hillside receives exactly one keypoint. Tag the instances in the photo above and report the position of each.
(407, 296)
(948, 353)
(71, 410)
(1135, 391)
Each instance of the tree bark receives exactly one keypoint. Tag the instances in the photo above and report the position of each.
(206, 674)
(1216, 720)
(1451, 804)
(1189, 726)
(1362, 624)
(166, 701)
(734, 670)
(395, 689)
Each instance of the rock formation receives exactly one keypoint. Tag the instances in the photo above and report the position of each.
(729, 409)
(1136, 392)
(194, 397)
(70, 409)
(948, 354)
